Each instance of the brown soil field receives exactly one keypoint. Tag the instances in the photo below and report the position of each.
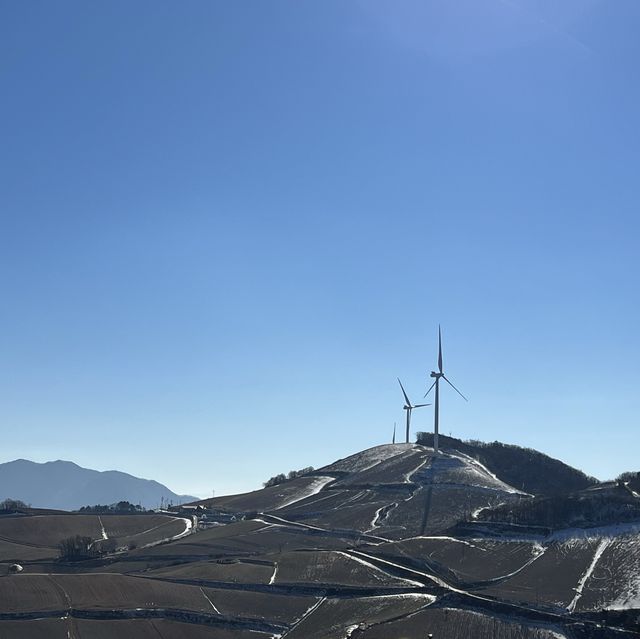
(251, 540)
(239, 603)
(48, 530)
(330, 619)
(324, 502)
(456, 624)
(470, 560)
(551, 578)
(224, 534)
(24, 593)
(124, 566)
(284, 539)
(14, 552)
(328, 567)
(131, 526)
(165, 530)
(615, 580)
(392, 470)
(119, 629)
(444, 506)
(270, 498)
(236, 538)
(110, 591)
(34, 629)
(235, 571)
(36, 538)
(157, 629)
(356, 516)
(363, 460)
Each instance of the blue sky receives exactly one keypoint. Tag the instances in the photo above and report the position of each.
(226, 227)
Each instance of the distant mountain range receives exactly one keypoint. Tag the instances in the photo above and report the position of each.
(66, 486)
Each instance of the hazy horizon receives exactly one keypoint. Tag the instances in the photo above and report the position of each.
(246, 487)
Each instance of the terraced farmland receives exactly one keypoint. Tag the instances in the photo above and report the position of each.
(370, 546)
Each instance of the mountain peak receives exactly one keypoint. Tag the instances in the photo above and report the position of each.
(64, 485)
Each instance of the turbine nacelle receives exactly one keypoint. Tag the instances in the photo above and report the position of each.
(408, 406)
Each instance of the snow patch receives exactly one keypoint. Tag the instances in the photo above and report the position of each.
(308, 611)
(104, 532)
(188, 529)
(552, 630)
(370, 457)
(204, 594)
(410, 474)
(612, 530)
(419, 573)
(275, 572)
(445, 538)
(376, 517)
(313, 488)
(626, 558)
(381, 514)
(371, 566)
(602, 546)
(477, 470)
(285, 522)
(564, 535)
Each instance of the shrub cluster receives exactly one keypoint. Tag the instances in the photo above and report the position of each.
(122, 507)
(292, 474)
(12, 505)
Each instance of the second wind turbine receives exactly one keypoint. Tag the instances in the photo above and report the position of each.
(408, 406)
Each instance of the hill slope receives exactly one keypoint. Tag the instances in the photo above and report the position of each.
(393, 490)
(525, 468)
(389, 542)
(67, 486)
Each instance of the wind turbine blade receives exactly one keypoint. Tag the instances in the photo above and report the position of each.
(404, 393)
(421, 405)
(439, 349)
(455, 389)
(430, 387)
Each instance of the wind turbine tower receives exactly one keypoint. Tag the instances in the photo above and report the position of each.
(437, 376)
(408, 406)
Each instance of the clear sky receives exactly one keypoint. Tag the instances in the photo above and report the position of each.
(227, 227)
